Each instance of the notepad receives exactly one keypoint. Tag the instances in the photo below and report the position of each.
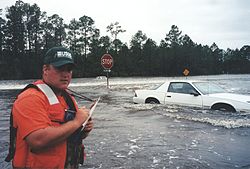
(93, 106)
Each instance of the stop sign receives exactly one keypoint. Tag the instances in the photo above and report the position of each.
(107, 61)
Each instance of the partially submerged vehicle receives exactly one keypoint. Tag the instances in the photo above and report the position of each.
(203, 94)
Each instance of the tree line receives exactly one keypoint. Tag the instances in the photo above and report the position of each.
(26, 33)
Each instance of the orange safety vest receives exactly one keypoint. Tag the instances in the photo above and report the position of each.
(55, 156)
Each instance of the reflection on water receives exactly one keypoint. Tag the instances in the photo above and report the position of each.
(128, 135)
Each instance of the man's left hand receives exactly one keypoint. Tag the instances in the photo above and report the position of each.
(89, 125)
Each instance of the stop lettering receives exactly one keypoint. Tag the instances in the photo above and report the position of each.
(107, 61)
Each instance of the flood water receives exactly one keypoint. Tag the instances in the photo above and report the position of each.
(138, 136)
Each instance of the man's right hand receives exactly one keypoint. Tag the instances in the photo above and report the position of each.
(81, 115)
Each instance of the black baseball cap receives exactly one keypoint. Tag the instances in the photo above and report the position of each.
(58, 56)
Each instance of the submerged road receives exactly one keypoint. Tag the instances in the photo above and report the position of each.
(139, 136)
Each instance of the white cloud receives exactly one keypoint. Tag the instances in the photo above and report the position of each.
(225, 22)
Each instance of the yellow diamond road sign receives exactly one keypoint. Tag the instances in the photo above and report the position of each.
(186, 72)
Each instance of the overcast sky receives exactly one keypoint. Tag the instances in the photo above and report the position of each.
(225, 22)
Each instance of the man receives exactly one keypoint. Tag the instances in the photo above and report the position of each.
(44, 134)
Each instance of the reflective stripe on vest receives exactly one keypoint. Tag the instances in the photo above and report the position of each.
(48, 93)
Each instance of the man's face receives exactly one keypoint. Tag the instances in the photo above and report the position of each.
(58, 77)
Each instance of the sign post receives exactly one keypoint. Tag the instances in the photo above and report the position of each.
(107, 64)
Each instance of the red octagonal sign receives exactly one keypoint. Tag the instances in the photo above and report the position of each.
(107, 61)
